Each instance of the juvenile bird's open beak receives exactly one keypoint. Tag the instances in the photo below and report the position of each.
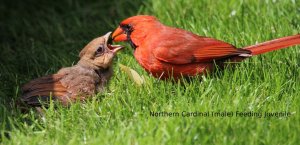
(119, 35)
(113, 48)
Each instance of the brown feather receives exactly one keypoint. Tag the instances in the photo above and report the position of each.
(89, 76)
(43, 87)
(42, 80)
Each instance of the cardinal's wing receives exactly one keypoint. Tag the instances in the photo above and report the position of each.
(184, 47)
(40, 90)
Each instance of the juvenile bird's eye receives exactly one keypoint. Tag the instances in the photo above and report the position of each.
(100, 50)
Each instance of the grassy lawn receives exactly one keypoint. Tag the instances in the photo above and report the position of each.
(38, 38)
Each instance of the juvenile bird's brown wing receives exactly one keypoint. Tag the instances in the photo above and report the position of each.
(184, 47)
(40, 89)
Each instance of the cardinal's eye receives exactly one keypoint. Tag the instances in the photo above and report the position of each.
(100, 50)
(127, 28)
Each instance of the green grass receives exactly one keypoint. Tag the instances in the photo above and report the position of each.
(38, 38)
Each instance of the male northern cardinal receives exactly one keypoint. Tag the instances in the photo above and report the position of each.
(89, 76)
(167, 52)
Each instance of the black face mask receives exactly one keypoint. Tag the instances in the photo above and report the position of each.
(128, 29)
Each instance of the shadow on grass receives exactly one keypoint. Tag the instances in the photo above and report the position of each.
(39, 37)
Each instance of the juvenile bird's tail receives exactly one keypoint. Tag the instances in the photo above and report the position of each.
(275, 44)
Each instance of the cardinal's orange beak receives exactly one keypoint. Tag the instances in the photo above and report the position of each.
(119, 35)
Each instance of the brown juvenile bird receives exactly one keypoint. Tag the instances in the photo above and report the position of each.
(89, 76)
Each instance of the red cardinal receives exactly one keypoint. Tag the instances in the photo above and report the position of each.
(167, 52)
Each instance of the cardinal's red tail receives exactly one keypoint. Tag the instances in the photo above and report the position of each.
(275, 44)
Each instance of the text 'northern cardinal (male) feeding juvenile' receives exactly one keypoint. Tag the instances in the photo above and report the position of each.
(88, 77)
(167, 52)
